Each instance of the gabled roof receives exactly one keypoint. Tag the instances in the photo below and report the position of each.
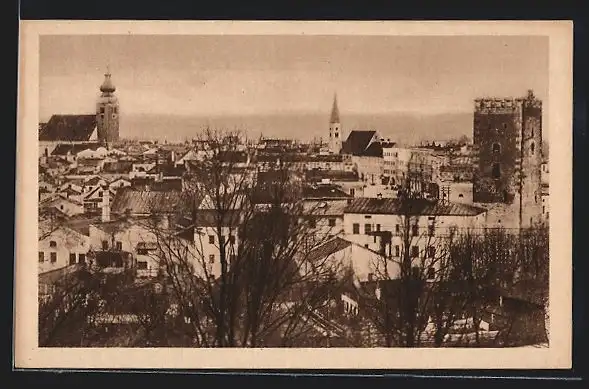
(328, 248)
(68, 128)
(357, 142)
(73, 149)
(94, 180)
(117, 167)
(388, 206)
(335, 175)
(149, 202)
(322, 208)
(325, 191)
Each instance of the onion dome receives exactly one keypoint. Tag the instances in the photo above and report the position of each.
(107, 86)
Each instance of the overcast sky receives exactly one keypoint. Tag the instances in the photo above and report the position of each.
(218, 75)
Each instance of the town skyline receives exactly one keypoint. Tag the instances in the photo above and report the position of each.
(285, 75)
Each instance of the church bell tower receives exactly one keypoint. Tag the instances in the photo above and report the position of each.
(107, 112)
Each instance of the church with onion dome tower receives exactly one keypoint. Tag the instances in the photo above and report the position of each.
(107, 112)
(79, 131)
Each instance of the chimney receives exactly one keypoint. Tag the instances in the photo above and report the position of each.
(105, 204)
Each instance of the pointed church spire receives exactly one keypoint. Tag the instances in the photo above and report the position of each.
(334, 111)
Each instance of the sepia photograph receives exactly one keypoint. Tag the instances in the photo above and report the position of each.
(276, 193)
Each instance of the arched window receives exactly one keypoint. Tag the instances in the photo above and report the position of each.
(533, 148)
(496, 170)
(496, 148)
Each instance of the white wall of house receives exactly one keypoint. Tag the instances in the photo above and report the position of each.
(206, 251)
(355, 226)
(126, 238)
(61, 248)
(366, 264)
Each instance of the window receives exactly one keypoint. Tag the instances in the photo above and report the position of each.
(102, 110)
(414, 230)
(397, 228)
(53, 244)
(231, 239)
(53, 257)
(431, 252)
(378, 228)
(41, 256)
(312, 223)
(211, 239)
(370, 277)
(72, 259)
(142, 265)
(543, 211)
(356, 228)
(337, 135)
(352, 192)
(81, 258)
(100, 194)
(119, 245)
(533, 148)
(505, 126)
(367, 217)
(496, 171)
(367, 228)
(332, 222)
(414, 251)
(431, 273)
(142, 251)
(105, 245)
(212, 258)
(397, 251)
(431, 229)
(496, 148)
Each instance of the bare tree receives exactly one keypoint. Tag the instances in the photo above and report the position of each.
(243, 278)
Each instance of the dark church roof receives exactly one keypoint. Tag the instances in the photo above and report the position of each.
(374, 150)
(68, 128)
(357, 142)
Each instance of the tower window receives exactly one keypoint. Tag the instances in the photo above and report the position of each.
(496, 170)
(496, 148)
(533, 148)
(336, 135)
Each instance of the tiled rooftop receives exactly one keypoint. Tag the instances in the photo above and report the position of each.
(415, 207)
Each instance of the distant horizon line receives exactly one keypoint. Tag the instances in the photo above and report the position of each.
(275, 113)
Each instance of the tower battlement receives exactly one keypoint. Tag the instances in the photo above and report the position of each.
(507, 136)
